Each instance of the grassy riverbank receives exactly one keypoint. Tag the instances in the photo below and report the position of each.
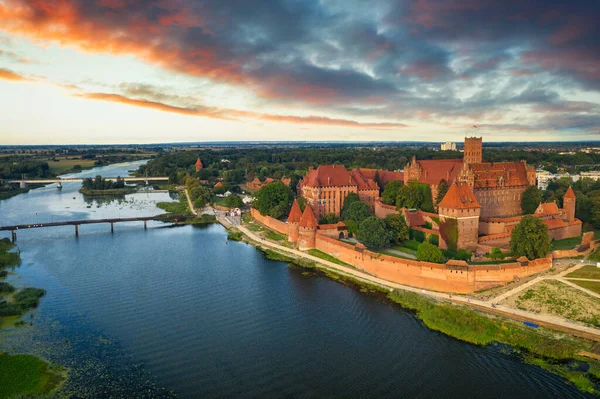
(21, 374)
(27, 375)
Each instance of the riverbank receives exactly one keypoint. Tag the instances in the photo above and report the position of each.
(21, 374)
(554, 351)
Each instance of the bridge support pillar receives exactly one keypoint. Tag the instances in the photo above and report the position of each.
(13, 236)
(112, 227)
(59, 185)
(76, 230)
(145, 225)
(23, 184)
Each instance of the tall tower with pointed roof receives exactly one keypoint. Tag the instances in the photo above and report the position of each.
(307, 231)
(198, 164)
(459, 213)
(569, 205)
(293, 222)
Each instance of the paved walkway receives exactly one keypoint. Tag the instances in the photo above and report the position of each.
(589, 292)
(400, 253)
(549, 321)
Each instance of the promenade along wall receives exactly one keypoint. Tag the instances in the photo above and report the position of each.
(268, 221)
(430, 276)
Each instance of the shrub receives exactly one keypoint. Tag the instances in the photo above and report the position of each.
(430, 253)
(417, 235)
(435, 240)
(29, 297)
(5, 287)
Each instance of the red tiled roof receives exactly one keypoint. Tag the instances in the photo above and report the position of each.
(385, 176)
(328, 176)
(286, 180)
(308, 218)
(414, 218)
(570, 194)
(554, 223)
(295, 213)
(500, 174)
(198, 162)
(434, 170)
(219, 184)
(256, 181)
(459, 196)
(548, 208)
(268, 180)
(363, 182)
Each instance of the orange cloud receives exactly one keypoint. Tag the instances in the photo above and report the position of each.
(232, 114)
(7, 74)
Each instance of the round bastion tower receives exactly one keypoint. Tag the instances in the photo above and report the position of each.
(307, 231)
(293, 222)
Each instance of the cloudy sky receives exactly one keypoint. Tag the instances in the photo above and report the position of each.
(142, 71)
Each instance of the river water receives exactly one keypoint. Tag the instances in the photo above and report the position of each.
(180, 312)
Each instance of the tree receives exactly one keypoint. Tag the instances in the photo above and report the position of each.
(274, 200)
(200, 195)
(373, 233)
(430, 253)
(530, 238)
(442, 190)
(355, 214)
(409, 197)
(301, 203)
(234, 201)
(396, 225)
(350, 198)
(390, 192)
(531, 199)
(330, 218)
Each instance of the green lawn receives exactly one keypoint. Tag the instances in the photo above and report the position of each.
(567, 243)
(221, 201)
(586, 272)
(175, 206)
(272, 235)
(595, 256)
(324, 256)
(400, 248)
(26, 375)
(590, 285)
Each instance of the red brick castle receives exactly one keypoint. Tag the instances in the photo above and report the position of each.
(479, 210)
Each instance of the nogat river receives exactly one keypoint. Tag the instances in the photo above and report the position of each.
(168, 312)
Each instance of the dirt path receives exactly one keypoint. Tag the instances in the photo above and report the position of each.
(548, 321)
(192, 209)
(589, 292)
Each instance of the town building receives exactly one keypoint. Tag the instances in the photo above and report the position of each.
(198, 164)
(448, 146)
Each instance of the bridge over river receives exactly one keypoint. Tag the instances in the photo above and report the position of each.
(161, 218)
(23, 182)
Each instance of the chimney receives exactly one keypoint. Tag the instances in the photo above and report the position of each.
(329, 180)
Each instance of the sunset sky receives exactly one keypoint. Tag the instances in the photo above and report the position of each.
(148, 71)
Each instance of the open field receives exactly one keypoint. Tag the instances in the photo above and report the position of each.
(558, 299)
(62, 165)
(590, 285)
(592, 272)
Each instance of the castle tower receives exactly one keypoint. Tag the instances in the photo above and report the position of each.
(293, 221)
(198, 164)
(473, 150)
(459, 213)
(307, 231)
(569, 202)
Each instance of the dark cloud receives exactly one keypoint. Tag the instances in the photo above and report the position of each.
(427, 59)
